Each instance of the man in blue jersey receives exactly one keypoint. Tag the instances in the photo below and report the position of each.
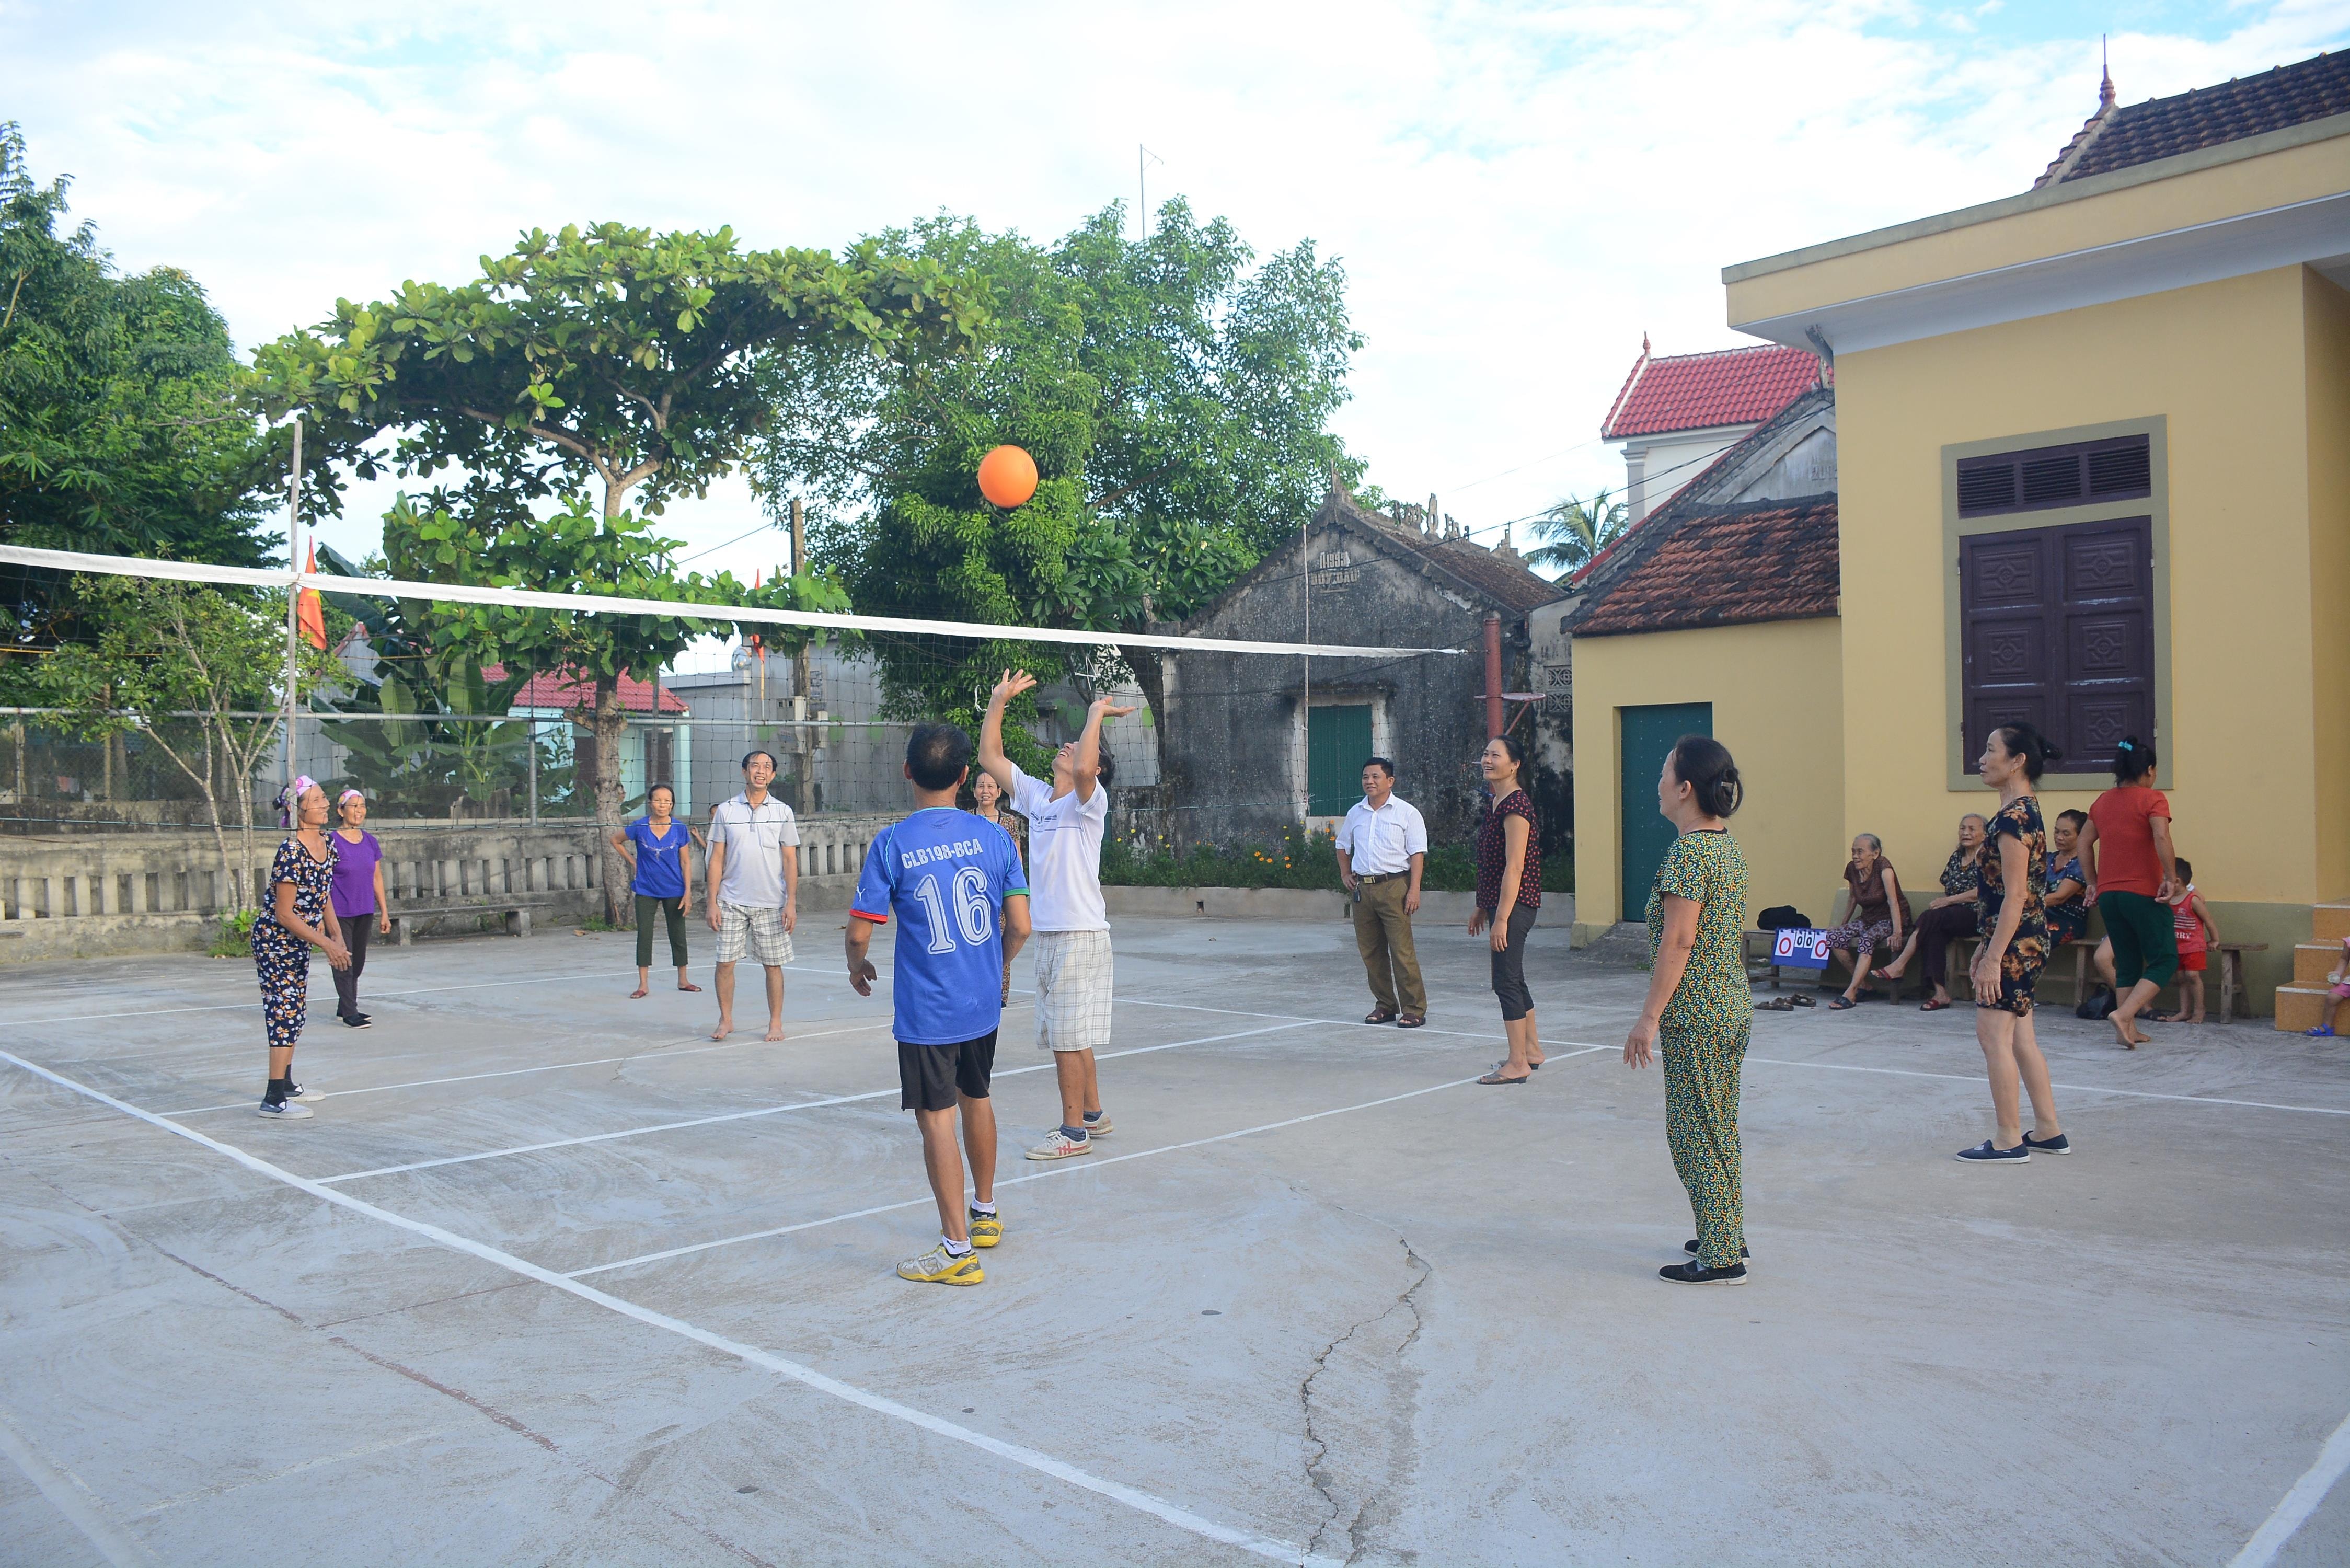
(954, 884)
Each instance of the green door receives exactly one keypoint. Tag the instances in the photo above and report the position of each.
(1645, 739)
(1337, 739)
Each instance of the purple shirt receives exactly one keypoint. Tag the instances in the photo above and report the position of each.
(355, 864)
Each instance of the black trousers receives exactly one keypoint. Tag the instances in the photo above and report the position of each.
(356, 929)
(672, 912)
(1510, 967)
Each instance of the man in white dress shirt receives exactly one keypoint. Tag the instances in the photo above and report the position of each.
(1382, 849)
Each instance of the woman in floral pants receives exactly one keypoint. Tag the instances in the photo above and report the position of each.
(296, 916)
(1700, 1003)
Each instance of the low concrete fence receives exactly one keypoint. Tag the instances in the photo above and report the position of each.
(165, 890)
(1303, 904)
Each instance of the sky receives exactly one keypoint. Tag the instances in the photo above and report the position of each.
(1517, 191)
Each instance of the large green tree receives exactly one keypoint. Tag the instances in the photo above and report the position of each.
(591, 366)
(1176, 399)
(119, 431)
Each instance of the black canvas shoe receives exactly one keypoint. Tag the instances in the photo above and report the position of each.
(356, 1020)
(1694, 1273)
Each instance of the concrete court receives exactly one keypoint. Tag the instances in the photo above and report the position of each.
(1317, 1296)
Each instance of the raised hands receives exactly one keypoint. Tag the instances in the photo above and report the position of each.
(1012, 683)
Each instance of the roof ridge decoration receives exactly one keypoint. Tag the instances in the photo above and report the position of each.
(2062, 164)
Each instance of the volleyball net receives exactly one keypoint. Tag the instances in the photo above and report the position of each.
(155, 693)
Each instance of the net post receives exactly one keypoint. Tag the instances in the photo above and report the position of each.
(804, 785)
(293, 591)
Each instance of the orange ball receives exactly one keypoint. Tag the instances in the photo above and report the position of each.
(1007, 476)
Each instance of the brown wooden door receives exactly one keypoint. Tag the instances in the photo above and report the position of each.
(2057, 632)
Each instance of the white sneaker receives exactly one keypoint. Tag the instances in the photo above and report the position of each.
(1059, 1144)
(288, 1109)
(1097, 1128)
(304, 1092)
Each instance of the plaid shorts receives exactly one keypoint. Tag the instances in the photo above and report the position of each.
(756, 932)
(1073, 989)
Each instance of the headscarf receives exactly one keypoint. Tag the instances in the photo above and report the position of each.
(303, 784)
(349, 794)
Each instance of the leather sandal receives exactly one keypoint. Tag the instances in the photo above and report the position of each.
(1379, 1015)
(1412, 1020)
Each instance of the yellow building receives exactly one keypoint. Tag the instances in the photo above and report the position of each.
(2093, 471)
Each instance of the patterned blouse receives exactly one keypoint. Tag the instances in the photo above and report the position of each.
(1493, 854)
(1959, 873)
(311, 879)
(2067, 921)
(2019, 819)
(1714, 997)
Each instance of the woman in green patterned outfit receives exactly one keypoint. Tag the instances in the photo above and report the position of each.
(1700, 1002)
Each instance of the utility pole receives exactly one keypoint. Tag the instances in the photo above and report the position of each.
(293, 591)
(800, 677)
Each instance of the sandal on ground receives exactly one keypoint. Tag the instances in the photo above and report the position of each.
(1777, 1004)
(1800, 1000)
(640, 992)
(1379, 1015)
(1930, 1005)
(1841, 1003)
(1412, 1020)
(688, 985)
(1497, 1066)
(1495, 1077)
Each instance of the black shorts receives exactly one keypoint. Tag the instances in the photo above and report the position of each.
(931, 1076)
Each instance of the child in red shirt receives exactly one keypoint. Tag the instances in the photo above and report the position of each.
(2197, 936)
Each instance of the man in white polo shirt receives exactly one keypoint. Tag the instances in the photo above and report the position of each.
(1382, 849)
(755, 884)
(1065, 822)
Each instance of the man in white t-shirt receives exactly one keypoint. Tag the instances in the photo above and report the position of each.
(1065, 822)
(755, 884)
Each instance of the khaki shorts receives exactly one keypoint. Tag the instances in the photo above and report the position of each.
(756, 933)
(1073, 990)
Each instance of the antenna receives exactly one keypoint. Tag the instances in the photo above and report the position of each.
(1142, 156)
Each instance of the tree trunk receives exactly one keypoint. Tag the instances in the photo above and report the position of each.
(610, 723)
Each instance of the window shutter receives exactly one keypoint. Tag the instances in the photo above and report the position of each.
(2117, 470)
(2057, 632)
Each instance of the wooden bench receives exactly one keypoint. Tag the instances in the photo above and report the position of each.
(2232, 973)
(1963, 965)
(515, 910)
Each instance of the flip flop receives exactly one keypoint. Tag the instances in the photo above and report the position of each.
(1497, 1078)
(1930, 1005)
(638, 993)
(1504, 1062)
(688, 985)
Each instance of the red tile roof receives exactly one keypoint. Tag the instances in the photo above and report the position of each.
(2165, 126)
(569, 689)
(1732, 566)
(1697, 391)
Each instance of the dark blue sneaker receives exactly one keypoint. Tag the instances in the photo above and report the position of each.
(2060, 1144)
(1983, 1154)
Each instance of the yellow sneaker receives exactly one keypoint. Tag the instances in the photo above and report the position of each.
(986, 1230)
(936, 1267)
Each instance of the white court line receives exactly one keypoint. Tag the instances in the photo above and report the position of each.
(1068, 1168)
(647, 1054)
(256, 1006)
(2068, 1088)
(2299, 1503)
(749, 1114)
(69, 1495)
(1182, 1518)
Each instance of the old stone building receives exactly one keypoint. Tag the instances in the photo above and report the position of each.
(1251, 745)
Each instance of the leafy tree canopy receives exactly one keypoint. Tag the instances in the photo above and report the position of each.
(1176, 401)
(119, 429)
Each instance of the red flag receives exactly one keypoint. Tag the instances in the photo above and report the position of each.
(310, 610)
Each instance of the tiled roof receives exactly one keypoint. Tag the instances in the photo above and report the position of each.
(568, 689)
(2165, 126)
(1697, 391)
(1773, 560)
(1503, 578)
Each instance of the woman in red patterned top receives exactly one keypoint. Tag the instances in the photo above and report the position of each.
(1508, 891)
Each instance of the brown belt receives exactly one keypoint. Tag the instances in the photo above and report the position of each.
(1380, 876)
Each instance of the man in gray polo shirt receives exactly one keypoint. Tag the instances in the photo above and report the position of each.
(755, 884)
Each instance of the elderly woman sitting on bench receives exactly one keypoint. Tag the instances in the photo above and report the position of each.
(1876, 917)
(1953, 915)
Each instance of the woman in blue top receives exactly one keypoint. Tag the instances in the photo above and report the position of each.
(660, 855)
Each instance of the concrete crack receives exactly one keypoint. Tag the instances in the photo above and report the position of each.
(1368, 1511)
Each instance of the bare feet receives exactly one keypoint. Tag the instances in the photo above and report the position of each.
(637, 994)
(775, 1029)
(2130, 1038)
(725, 1027)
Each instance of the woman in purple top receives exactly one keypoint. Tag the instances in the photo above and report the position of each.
(358, 894)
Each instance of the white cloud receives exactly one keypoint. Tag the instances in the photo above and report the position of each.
(1518, 192)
